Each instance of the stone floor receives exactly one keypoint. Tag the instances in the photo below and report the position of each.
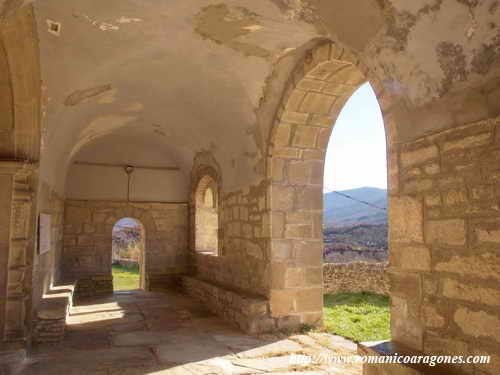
(151, 333)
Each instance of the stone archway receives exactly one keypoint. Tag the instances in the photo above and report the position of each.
(129, 247)
(205, 177)
(20, 93)
(314, 97)
(88, 238)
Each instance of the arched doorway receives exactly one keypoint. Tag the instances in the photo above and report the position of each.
(127, 255)
(356, 284)
(322, 84)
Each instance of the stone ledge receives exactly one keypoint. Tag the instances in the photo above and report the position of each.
(99, 285)
(249, 313)
(390, 348)
(50, 321)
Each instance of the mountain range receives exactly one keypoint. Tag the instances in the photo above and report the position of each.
(342, 211)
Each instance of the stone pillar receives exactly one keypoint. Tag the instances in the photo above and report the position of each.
(17, 240)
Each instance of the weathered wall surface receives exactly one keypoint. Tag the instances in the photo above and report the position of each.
(5, 207)
(207, 226)
(47, 266)
(111, 183)
(444, 236)
(355, 277)
(88, 238)
(243, 236)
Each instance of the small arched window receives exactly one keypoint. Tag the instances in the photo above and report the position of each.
(206, 216)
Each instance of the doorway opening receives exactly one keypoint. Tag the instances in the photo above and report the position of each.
(127, 262)
(355, 222)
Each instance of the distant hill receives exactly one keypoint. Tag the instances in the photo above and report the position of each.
(341, 211)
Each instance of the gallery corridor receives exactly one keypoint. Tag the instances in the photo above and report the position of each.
(132, 333)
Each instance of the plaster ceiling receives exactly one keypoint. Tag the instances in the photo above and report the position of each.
(182, 76)
(190, 76)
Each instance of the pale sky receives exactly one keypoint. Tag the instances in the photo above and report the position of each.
(356, 154)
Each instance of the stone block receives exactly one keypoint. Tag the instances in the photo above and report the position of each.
(77, 215)
(314, 276)
(298, 118)
(419, 156)
(455, 197)
(317, 103)
(305, 136)
(433, 318)
(310, 198)
(310, 84)
(323, 138)
(299, 173)
(282, 197)
(298, 217)
(278, 173)
(89, 228)
(308, 253)
(417, 185)
(282, 302)
(282, 136)
(281, 250)
(295, 99)
(295, 277)
(406, 285)
(433, 199)
(466, 142)
(467, 291)
(432, 168)
(411, 258)
(84, 240)
(449, 232)
(477, 323)
(310, 300)
(298, 231)
(406, 218)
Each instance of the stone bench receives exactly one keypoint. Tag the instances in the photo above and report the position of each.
(93, 286)
(251, 314)
(51, 313)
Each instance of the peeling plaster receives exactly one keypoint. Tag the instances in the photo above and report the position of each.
(81, 96)
(123, 19)
(227, 25)
(433, 48)
(452, 61)
(298, 10)
(108, 97)
(135, 107)
(105, 26)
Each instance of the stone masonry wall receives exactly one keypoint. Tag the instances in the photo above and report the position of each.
(46, 268)
(242, 264)
(88, 238)
(444, 240)
(243, 234)
(355, 277)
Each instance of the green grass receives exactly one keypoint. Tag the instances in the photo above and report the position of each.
(125, 278)
(358, 316)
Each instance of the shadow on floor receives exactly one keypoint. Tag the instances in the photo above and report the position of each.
(132, 333)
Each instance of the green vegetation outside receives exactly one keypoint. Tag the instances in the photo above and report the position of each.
(125, 278)
(358, 316)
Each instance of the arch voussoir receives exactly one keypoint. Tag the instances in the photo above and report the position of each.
(320, 87)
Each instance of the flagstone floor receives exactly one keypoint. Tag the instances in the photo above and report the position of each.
(170, 334)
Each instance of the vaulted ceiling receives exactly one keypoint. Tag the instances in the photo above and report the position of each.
(174, 78)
